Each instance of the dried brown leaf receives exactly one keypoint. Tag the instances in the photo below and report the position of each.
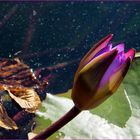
(5, 121)
(20, 82)
(13, 72)
(27, 98)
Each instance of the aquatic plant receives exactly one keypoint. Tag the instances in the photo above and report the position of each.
(100, 73)
(27, 48)
(98, 76)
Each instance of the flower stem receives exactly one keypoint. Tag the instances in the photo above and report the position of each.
(59, 123)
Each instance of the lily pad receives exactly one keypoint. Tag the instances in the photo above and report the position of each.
(42, 123)
(137, 55)
(102, 126)
(115, 109)
(85, 125)
(132, 87)
(116, 104)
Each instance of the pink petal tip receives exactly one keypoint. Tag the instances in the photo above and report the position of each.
(130, 54)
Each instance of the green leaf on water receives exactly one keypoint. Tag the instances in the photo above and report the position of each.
(137, 55)
(85, 125)
(42, 124)
(66, 94)
(115, 109)
(106, 124)
(116, 104)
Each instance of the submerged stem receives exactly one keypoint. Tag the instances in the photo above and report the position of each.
(59, 123)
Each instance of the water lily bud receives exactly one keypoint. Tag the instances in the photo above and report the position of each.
(100, 73)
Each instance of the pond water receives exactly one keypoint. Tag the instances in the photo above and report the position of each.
(44, 34)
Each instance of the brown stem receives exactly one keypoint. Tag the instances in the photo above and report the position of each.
(58, 124)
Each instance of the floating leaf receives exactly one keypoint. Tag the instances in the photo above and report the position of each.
(86, 124)
(15, 73)
(27, 98)
(89, 125)
(31, 135)
(5, 121)
(18, 79)
(116, 104)
(66, 94)
(132, 89)
(42, 123)
(137, 55)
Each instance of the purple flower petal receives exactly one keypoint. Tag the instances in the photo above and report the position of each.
(130, 54)
(105, 49)
(94, 50)
(89, 78)
(117, 62)
(120, 47)
(115, 79)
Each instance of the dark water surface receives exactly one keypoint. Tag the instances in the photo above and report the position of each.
(58, 34)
